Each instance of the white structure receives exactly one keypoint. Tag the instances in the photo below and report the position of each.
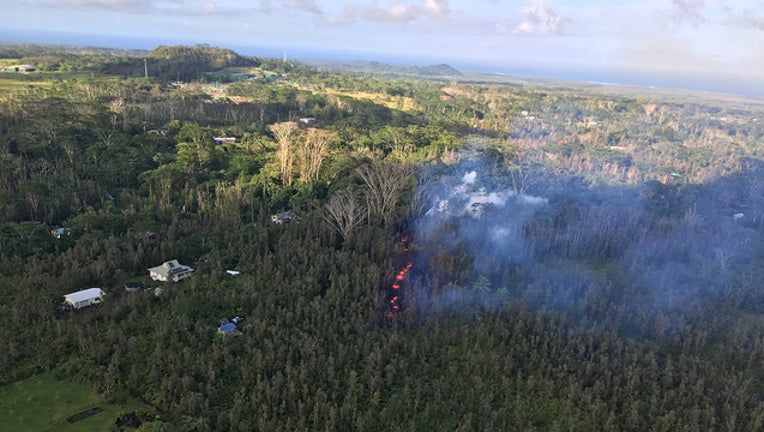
(170, 270)
(285, 217)
(61, 232)
(81, 299)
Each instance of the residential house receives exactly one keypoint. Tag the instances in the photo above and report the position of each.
(229, 328)
(81, 299)
(170, 271)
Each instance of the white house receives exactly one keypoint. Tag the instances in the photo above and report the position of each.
(170, 270)
(81, 299)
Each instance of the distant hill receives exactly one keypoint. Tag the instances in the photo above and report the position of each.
(189, 62)
(374, 67)
(214, 57)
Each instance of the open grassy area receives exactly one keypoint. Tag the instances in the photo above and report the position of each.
(43, 403)
(392, 102)
(11, 84)
(9, 62)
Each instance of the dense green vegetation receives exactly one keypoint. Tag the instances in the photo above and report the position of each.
(628, 297)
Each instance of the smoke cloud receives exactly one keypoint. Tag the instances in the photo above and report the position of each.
(619, 256)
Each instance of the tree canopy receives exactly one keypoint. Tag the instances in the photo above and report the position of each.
(406, 253)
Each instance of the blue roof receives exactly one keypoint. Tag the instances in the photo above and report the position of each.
(227, 327)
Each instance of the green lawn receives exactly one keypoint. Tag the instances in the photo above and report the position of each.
(43, 403)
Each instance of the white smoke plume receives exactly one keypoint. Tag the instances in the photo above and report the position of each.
(652, 251)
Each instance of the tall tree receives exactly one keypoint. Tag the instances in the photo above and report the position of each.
(284, 133)
(312, 152)
(385, 183)
(344, 212)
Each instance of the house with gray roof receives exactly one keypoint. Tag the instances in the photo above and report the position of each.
(81, 299)
(170, 271)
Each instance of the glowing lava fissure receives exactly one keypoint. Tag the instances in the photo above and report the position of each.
(394, 297)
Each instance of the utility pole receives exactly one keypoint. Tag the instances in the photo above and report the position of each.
(145, 69)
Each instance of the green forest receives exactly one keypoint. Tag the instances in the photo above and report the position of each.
(403, 249)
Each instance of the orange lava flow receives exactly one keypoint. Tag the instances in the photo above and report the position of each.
(394, 301)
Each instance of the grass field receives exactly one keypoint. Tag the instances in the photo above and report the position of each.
(43, 403)
(12, 83)
(393, 102)
(10, 86)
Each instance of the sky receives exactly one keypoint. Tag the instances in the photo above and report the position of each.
(664, 42)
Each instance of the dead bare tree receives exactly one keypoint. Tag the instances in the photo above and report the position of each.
(284, 133)
(423, 194)
(522, 178)
(344, 212)
(312, 152)
(385, 182)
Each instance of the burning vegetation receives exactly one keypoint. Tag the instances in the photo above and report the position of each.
(394, 293)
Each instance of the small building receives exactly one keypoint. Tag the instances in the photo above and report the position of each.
(19, 68)
(61, 232)
(227, 329)
(81, 299)
(284, 217)
(133, 286)
(170, 271)
(230, 328)
(224, 140)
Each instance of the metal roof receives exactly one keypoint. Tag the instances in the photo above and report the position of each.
(86, 294)
(227, 327)
(172, 267)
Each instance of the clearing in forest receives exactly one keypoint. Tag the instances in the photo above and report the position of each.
(44, 403)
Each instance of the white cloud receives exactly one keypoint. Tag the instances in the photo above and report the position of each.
(132, 5)
(210, 8)
(304, 5)
(179, 7)
(399, 12)
(184, 7)
(687, 10)
(540, 19)
(752, 20)
(437, 9)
